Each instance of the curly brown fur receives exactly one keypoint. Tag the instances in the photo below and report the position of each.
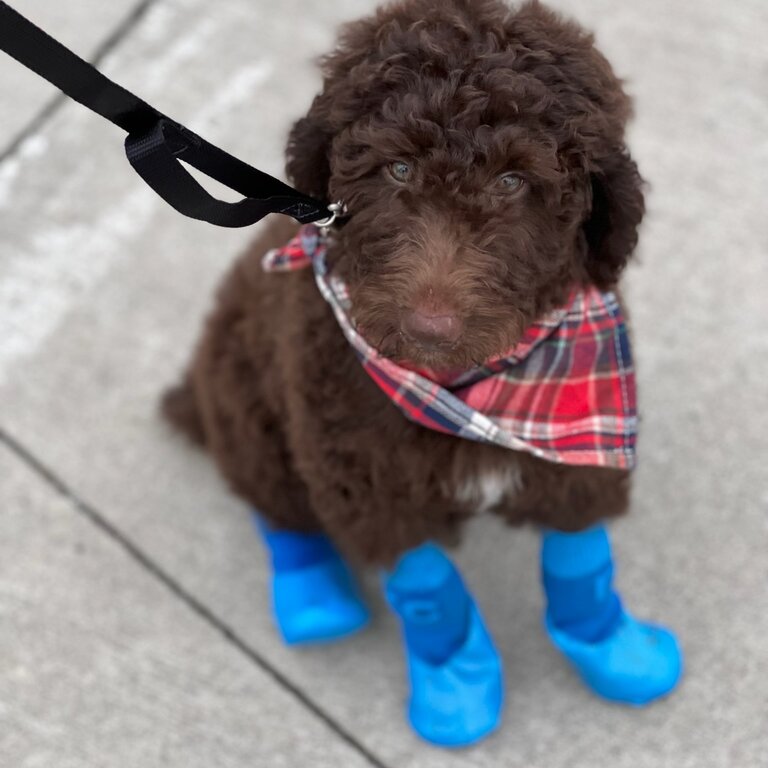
(463, 92)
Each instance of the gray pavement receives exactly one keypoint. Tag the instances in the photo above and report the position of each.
(92, 29)
(133, 610)
(105, 665)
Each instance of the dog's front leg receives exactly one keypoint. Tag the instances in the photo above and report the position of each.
(454, 670)
(314, 596)
(617, 656)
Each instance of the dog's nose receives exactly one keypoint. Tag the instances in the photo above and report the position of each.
(434, 325)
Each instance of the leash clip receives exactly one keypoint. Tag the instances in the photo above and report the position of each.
(336, 209)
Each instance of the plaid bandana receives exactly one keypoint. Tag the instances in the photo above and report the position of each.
(565, 392)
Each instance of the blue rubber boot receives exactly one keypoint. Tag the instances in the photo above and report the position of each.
(455, 671)
(314, 598)
(617, 656)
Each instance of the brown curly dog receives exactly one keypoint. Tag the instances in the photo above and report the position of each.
(480, 153)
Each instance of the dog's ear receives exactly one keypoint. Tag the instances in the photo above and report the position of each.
(617, 209)
(307, 153)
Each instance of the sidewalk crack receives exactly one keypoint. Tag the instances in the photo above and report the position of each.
(39, 120)
(92, 514)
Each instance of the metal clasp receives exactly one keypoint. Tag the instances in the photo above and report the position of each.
(336, 209)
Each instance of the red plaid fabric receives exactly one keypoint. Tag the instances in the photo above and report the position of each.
(566, 392)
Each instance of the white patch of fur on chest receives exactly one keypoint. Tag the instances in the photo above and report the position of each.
(489, 488)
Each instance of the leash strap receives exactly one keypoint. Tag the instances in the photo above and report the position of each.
(156, 144)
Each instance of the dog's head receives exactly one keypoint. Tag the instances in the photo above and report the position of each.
(480, 152)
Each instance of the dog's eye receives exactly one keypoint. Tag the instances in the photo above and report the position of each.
(511, 182)
(400, 171)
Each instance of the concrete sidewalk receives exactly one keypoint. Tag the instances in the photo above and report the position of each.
(134, 625)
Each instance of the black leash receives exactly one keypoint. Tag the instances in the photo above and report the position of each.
(155, 144)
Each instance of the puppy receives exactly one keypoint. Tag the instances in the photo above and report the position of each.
(453, 345)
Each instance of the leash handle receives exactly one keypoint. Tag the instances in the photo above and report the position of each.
(156, 144)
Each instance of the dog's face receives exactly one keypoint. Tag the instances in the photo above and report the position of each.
(480, 154)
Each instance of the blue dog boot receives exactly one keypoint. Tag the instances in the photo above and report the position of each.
(454, 670)
(618, 657)
(314, 598)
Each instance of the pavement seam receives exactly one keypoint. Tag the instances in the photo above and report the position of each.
(196, 606)
(38, 121)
